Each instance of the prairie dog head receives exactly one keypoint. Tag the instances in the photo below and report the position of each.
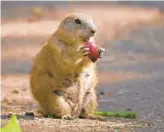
(78, 27)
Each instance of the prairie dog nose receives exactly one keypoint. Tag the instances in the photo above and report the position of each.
(93, 31)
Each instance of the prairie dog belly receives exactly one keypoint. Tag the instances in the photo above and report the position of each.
(85, 84)
(88, 79)
(88, 84)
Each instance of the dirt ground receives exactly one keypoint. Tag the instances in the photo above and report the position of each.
(23, 37)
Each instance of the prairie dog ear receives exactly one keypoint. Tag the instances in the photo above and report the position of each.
(67, 22)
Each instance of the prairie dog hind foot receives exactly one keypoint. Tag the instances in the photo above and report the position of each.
(68, 117)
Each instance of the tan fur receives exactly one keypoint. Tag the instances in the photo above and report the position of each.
(59, 66)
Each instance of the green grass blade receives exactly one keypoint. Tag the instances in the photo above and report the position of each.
(126, 114)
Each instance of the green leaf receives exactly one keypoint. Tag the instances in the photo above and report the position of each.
(12, 126)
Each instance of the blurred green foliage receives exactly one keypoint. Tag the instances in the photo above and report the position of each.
(12, 126)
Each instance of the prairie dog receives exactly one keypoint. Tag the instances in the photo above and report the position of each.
(63, 78)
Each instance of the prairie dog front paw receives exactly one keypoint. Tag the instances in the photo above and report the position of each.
(84, 50)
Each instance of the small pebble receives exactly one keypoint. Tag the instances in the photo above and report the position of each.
(101, 93)
(9, 115)
(129, 109)
(15, 91)
(29, 114)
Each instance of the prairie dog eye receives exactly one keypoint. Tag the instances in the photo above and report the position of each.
(77, 21)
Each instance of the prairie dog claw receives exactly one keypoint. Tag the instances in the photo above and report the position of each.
(68, 117)
(101, 51)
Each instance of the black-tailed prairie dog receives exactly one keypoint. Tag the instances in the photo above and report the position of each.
(63, 78)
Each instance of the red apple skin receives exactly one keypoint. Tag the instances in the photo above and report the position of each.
(94, 52)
